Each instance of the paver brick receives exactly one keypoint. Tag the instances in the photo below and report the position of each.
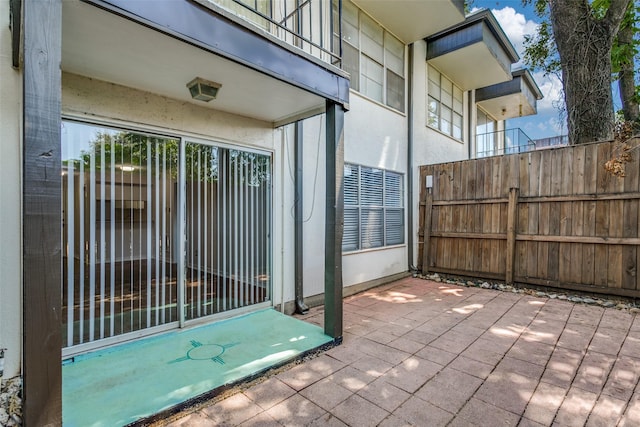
(454, 356)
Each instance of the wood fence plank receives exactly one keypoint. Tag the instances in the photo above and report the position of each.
(512, 213)
(566, 218)
(564, 262)
(480, 174)
(535, 180)
(496, 183)
(632, 170)
(554, 248)
(629, 267)
(589, 219)
(616, 218)
(473, 177)
(577, 178)
(456, 181)
(468, 179)
(427, 231)
(600, 265)
(577, 217)
(542, 261)
(546, 168)
(590, 168)
(602, 218)
(555, 172)
(588, 264)
(447, 243)
(544, 221)
(488, 176)
(514, 174)
(566, 183)
(448, 181)
(614, 267)
(553, 266)
(523, 172)
(456, 226)
(469, 255)
(496, 256)
(603, 178)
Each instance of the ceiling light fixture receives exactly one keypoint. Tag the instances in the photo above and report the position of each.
(203, 90)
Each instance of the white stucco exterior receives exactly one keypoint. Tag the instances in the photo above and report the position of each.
(375, 136)
(10, 196)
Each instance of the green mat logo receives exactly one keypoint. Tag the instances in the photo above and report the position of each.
(200, 351)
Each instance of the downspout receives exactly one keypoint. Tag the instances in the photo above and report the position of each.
(410, 159)
(469, 121)
(301, 307)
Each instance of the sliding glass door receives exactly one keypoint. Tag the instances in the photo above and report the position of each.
(132, 204)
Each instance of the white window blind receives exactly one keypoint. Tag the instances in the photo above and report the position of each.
(373, 208)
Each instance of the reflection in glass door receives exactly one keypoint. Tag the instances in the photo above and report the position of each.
(124, 195)
(227, 229)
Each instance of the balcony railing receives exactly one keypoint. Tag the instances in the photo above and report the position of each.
(552, 141)
(508, 141)
(310, 25)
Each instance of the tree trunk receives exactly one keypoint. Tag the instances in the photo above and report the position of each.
(626, 79)
(584, 46)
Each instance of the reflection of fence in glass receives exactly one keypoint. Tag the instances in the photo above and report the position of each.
(119, 231)
(508, 141)
(227, 229)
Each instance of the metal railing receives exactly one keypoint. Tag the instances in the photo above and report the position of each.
(509, 141)
(552, 141)
(310, 25)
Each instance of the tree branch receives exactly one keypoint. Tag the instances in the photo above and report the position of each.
(615, 14)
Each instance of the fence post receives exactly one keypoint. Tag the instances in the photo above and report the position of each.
(426, 231)
(512, 213)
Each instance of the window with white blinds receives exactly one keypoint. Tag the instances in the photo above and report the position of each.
(373, 208)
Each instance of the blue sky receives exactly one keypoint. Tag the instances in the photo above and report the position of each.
(516, 21)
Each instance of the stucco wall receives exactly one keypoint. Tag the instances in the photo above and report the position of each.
(375, 136)
(10, 201)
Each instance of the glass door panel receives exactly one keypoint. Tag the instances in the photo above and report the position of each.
(118, 232)
(227, 216)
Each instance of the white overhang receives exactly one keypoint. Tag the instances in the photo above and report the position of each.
(102, 45)
(474, 54)
(515, 98)
(412, 20)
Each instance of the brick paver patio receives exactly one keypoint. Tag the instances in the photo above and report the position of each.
(422, 353)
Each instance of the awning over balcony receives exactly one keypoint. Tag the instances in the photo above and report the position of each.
(474, 54)
(515, 98)
(413, 20)
(261, 77)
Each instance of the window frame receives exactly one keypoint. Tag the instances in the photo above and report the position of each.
(448, 107)
(362, 211)
(390, 96)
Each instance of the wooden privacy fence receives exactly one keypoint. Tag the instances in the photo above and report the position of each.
(553, 218)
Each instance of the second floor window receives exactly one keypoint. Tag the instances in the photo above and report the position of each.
(444, 104)
(373, 57)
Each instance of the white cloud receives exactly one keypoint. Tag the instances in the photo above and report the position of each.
(551, 88)
(515, 26)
